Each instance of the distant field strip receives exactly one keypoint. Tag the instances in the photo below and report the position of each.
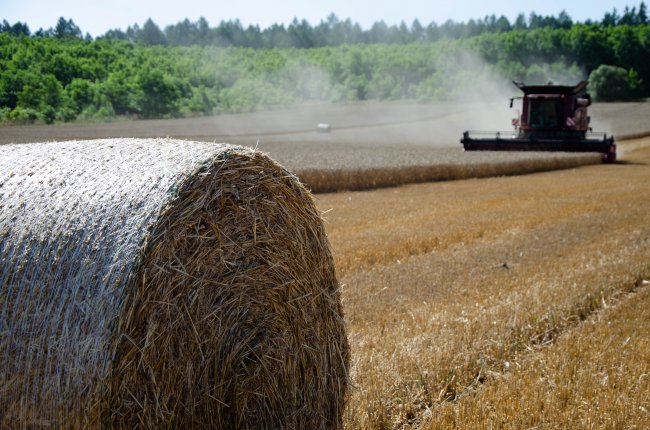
(371, 145)
(326, 180)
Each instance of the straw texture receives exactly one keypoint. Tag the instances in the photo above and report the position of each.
(164, 284)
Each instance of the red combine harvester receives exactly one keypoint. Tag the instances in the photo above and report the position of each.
(553, 118)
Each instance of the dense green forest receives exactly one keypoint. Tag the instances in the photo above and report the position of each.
(193, 69)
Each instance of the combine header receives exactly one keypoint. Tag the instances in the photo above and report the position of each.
(553, 118)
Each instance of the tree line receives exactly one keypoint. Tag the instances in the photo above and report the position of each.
(64, 76)
(329, 32)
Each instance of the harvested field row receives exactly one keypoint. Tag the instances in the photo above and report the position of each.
(449, 286)
(501, 164)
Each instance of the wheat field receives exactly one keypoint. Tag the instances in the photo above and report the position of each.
(465, 300)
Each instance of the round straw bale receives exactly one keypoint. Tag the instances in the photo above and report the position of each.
(164, 284)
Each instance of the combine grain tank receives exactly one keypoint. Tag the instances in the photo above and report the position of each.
(553, 118)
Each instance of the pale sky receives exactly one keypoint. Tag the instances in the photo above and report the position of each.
(98, 17)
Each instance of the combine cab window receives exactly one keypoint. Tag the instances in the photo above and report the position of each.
(545, 112)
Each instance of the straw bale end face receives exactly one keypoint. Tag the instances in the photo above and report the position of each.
(228, 314)
(240, 253)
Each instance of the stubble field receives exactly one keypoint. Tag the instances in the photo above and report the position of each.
(465, 300)
(501, 302)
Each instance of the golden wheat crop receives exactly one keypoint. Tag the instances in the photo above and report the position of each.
(476, 166)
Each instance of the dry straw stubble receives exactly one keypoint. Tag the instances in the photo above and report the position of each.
(161, 283)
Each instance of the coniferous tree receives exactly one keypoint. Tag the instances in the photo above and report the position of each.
(151, 34)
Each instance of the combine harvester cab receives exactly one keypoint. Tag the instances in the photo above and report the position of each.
(553, 118)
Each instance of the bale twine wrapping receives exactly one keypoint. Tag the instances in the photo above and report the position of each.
(164, 284)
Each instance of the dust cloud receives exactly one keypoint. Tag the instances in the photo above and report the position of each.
(474, 97)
